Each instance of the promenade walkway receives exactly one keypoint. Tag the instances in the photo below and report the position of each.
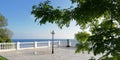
(61, 53)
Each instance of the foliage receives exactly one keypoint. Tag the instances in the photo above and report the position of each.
(82, 38)
(2, 21)
(5, 34)
(3, 58)
(101, 16)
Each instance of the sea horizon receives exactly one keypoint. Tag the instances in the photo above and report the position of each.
(41, 38)
(63, 41)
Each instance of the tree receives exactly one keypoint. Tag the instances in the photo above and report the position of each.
(102, 17)
(5, 34)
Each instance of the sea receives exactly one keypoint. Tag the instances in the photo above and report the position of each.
(63, 42)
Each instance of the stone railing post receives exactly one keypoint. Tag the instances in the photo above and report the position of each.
(59, 43)
(49, 43)
(18, 46)
(35, 44)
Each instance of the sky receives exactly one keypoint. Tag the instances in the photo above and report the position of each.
(21, 22)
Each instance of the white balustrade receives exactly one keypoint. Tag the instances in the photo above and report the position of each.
(49, 43)
(35, 45)
(25, 45)
(18, 45)
(58, 43)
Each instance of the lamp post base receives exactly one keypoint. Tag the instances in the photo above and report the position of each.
(52, 52)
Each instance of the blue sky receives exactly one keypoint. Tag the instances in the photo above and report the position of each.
(21, 22)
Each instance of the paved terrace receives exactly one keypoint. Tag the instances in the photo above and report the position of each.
(61, 53)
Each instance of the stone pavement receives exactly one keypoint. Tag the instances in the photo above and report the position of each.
(61, 53)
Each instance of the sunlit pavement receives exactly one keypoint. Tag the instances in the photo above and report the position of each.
(61, 53)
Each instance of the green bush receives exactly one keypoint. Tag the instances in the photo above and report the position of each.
(3, 58)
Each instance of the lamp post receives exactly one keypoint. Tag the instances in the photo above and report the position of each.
(53, 41)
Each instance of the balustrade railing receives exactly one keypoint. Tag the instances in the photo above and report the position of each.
(26, 45)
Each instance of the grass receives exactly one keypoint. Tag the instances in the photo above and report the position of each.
(3, 58)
